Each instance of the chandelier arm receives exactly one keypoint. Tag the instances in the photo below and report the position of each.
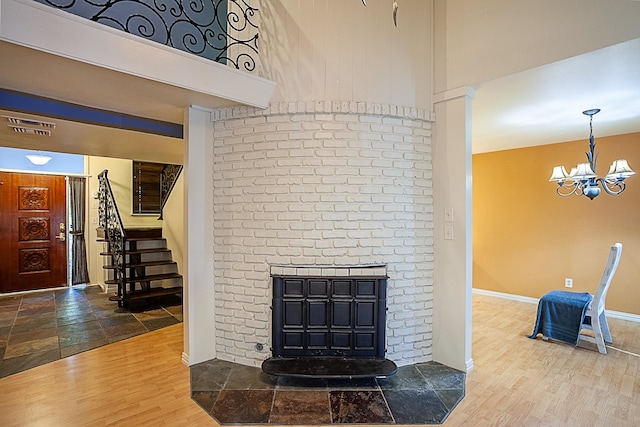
(561, 185)
(610, 187)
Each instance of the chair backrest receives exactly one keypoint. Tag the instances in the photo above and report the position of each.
(607, 276)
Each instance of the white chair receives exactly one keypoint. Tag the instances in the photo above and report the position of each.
(563, 315)
(595, 318)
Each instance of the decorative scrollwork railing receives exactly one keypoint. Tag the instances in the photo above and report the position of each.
(220, 30)
(168, 178)
(109, 220)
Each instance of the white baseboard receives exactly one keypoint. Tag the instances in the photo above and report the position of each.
(623, 316)
(610, 313)
(108, 288)
(35, 291)
(503, 295)
(185, 358)
(470, 365)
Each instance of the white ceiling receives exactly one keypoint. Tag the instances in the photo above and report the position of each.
(544, 105)
(534, 107)
(50, 76)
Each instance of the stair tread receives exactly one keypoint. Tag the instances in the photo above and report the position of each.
(143, 264)
(144, 239)
(152, 277)
(141, 251)
(143, 233)
(149, 250)
(143, 229)
(148, 293)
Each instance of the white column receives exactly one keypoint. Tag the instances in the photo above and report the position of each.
(198, 304)
(453, 242)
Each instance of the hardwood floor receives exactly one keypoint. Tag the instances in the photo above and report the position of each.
(523, 382)
(137, 382)
(39, 327)
(516, 382)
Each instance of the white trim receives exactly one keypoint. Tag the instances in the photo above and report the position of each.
(185, 358)
(47, 29)
(464, 91)
(470, 365)
(198, 277)
(609, 313)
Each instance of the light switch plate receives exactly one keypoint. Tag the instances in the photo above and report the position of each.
(448, 214)
(448, 232)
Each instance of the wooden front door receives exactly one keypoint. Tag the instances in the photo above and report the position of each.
(33, 250)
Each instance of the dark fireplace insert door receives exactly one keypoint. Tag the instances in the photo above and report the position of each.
(329, 327)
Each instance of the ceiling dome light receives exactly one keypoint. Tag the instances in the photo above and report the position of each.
(38, 159)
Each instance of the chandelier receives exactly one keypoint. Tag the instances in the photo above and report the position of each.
(394, 11)
(583, 181)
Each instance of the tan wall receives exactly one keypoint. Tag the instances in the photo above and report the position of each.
(527, 239)
(173, 224)
(478, 41)
(120, 177)
(338, 50)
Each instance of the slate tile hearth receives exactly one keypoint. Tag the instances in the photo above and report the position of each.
(41, 327)
(424, 393)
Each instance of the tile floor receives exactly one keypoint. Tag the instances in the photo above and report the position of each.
(38, 328)
(235, 394)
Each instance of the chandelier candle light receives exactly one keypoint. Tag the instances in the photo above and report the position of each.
(583, 181)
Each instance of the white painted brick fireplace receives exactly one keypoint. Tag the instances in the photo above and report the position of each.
(332, 185)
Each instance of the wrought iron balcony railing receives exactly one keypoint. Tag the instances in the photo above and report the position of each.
(220, 30)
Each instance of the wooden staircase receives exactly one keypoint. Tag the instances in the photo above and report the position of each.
(147, 268)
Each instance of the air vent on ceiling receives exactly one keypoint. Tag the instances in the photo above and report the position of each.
(21, 121)
(32, 131)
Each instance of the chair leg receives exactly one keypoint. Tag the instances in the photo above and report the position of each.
(597, 331)
(606, 333)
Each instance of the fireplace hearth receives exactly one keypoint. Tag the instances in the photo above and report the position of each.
(329, 327)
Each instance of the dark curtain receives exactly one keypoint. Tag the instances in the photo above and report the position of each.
(79, 271)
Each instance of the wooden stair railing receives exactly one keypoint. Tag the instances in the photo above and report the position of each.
(139, 258)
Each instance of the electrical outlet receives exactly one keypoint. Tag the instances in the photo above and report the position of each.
(568, 282)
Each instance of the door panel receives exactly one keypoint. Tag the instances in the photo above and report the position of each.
(33, 250)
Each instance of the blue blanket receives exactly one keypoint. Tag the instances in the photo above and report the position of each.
(560, 315)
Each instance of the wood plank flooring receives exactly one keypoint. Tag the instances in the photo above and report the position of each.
(516, 382)
(137, 382)
(40, 327)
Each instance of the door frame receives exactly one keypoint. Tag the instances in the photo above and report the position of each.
(67, 213)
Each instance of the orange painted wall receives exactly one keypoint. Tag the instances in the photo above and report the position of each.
(527, 239)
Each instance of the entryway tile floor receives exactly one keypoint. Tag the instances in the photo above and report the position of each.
(423, 393)
(40, 327)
